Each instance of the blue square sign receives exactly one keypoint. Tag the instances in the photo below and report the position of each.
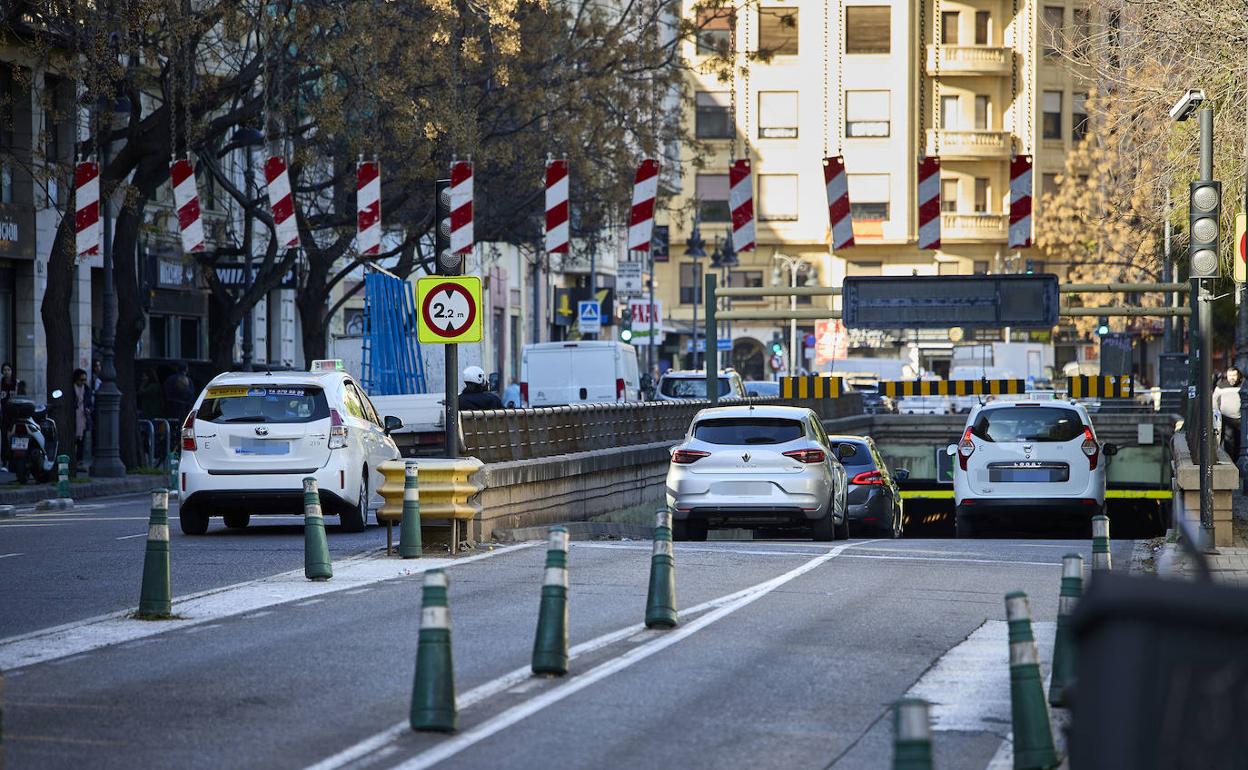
(589, 316)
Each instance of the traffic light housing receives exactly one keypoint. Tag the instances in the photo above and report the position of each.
(777, 344)
(1102, 326)
(1031, 267)
(626, 325)
(1204, 226)
(448, 262)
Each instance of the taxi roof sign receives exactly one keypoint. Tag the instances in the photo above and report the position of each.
(327, 365)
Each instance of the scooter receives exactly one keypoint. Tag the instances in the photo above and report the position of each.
(33, 443)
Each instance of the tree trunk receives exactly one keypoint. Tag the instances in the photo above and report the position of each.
(222, 332)
(55, 314)
(312, 321)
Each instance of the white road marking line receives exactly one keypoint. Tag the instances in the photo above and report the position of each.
(682, 548)
(524, 710)
(260, 614)
(374, 744)
(307, 602)
(197, 629)
(954, 560)
(354, 591)
(206, 606)
(7, 555)
(19, 525)
(128, 537)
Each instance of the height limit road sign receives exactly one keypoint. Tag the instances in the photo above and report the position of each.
(450, 309)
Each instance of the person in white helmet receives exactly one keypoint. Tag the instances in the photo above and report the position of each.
(475, 396)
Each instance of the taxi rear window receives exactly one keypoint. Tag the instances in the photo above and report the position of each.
(263, 404)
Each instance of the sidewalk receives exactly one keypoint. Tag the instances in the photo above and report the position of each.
(1229, 565)
(80, 488)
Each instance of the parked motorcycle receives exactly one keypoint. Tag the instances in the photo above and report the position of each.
(33, 441)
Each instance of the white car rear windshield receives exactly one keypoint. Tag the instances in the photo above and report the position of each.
(1028, 423)
(261, 403)
(689, 387)
(748, 430)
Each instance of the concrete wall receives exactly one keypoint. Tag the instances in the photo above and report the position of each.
(1187, 490)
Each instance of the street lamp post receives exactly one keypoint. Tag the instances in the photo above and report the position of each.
(794, 265)
(695, 247)
(727, 260)
(248, 138)
(107, 462)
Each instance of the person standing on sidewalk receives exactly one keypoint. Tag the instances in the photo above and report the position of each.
(84, 408)
(8, 389)
(1226, 403)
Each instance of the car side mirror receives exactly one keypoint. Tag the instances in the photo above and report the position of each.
(844, 451)
(392, 424)
(901, 474)
(951, 450)
(1110, 449)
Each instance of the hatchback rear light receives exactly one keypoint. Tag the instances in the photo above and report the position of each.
(188, 432)
(1090, 448)
(966, 448)
(619, 389)
(337, 431)
(868, 477)
(688, 456)
(524, 393)
(808, 456)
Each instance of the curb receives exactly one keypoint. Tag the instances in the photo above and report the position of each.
(96, 488)
(55, 504)
(577, 530)
(7, 511)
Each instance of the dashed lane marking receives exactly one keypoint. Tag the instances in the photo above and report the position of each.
(7, 555)
(127, 537)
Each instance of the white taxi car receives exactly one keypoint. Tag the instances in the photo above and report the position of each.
(1028, 462)
(252, 437)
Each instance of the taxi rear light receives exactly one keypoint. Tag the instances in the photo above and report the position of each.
(688, 456)
(337, 431)
(966, 448)
(1090, 448)
(188, 432)
(807, 456)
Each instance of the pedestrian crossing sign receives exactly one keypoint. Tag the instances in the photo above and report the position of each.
(589, 316)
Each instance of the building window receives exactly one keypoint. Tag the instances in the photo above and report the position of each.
(1082, 23)
(1054, 21)
(714, 30)
(867, 29)
(777, 31)
(983, 27)
(714, 115)
(980, 267)
(982, 193)
(188, 338)
(949, 195)
(1052, 114)
(1048, 184)
(950, 113)
(868, 197)
(804, 279)
(712, 193)
(690, 283)
(777, 197)
(949, 27)
(777, 114)
(746, 279)
(158, 331)
(1078, 116)
(866, 114)
(982, 111)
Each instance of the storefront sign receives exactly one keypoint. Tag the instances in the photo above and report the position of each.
(17, 232)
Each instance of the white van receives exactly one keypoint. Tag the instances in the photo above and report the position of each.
(587, 372)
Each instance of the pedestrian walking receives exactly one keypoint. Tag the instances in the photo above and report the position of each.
(151, 402)
(475, 396)
(84, 411)
(179, 394)
(8, 389)
(1226, 403)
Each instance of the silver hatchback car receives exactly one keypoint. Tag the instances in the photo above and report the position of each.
(744, 466)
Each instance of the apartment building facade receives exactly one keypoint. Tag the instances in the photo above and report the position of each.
(881, 84)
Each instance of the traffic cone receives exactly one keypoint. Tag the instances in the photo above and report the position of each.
(62, 477)
(1033, 736)
(1063, 644)
(661, 599)
(409, 527)
(316, 565)
(550, 647)
(1100, 543)
(912, 735)
(155, 598)
(433, 690)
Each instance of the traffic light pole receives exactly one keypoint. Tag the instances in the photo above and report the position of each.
(712, 371)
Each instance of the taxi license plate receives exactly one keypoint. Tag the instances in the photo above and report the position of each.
(20, 443)
(259, 446)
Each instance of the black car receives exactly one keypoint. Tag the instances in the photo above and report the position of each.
(873, 499)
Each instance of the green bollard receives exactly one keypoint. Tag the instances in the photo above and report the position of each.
(661, 599)
(912, 735)
(1033, 735)
(1100, 543)
(1063, 642)
(155, 598)
(550, 647)
(316, 565)
(62, 477)
(433, 690)
(173, 471)
(409, 528)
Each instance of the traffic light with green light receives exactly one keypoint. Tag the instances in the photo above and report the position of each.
(1102, 326)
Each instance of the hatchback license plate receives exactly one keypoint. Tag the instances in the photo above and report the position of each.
(20, 444)
(259, 446)
(1033, 473)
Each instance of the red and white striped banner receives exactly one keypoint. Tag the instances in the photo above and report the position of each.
(368, 208)
(461, 207)
(281, 202)
(1020, 202)
(741, 202)
(641, 219)
(557, 207)
(87, 208)
(929, 203)
(839, 217)
(186, 200)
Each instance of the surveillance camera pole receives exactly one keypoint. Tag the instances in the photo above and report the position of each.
(1203, 289)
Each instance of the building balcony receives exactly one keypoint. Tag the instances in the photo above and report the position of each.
(973, 228)
(976, 60)
(970, 144)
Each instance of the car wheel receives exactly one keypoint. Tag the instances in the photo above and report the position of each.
(192, 521)
(824, 530)
(963, 527)
(680, 529)
(842, 530)
(237, 520)
(356, 519)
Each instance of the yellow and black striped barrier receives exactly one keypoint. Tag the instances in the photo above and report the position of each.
(908, 388)
(1102, 387)
(811, 386)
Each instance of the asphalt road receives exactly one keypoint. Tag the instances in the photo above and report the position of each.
(799, 670)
